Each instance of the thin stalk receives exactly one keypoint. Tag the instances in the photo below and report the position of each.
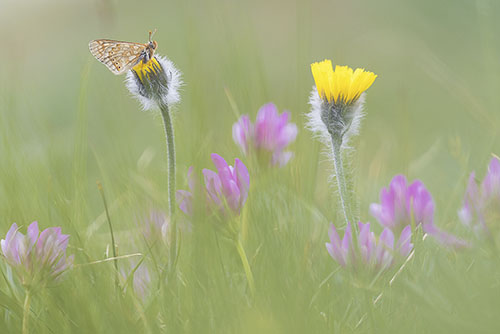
(369, 304)
(142, 315)
(169, 134)
(113, 244)
(246, 265)
(220, 256)
(26, 311)
(341, 179)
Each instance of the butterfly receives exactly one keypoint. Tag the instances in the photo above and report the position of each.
(119, 56)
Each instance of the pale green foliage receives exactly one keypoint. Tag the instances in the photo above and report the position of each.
(66, 122)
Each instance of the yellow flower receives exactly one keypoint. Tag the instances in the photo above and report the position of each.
(154, 83)
(342, 85)
(146, 69)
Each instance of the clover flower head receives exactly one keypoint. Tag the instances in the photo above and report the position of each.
(269, 136)
(402, 203)
(155, 83)
(37, 258)
(369, 252)
(481, 204)
(337, 100)
(225, 189)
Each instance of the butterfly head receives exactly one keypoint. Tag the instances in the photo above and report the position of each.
(150, 51)
(151, 46)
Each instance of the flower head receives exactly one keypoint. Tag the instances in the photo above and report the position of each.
(38, 258)
(342, 86)
(369, 252)
(481, 204)
(402, 203)
(270, 134)
(155, 82)
(337, 101)
(225, 189)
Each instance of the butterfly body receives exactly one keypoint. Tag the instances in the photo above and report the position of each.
(118, 56)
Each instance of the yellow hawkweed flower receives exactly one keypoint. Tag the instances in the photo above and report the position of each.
(342, 85)
(154, 83)
(147, 69)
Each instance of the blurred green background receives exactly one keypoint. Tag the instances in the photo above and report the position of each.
(66, 122)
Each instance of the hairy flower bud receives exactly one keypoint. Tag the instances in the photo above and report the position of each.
(154, 83)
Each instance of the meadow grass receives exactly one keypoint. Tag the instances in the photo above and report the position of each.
(66, 122)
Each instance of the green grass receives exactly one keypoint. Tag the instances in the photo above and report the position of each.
(67, 122)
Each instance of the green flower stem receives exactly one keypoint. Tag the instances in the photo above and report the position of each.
(369, 309)
(169, 134)
(246, 265)
(113, 243)
(341, 179)
(26, 311)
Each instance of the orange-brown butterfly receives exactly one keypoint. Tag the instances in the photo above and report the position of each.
(119, 56)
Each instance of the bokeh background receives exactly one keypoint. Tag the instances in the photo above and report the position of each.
(67, 122)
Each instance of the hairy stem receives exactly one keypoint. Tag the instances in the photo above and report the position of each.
(169, 134)
(113, 244)
(341, 179)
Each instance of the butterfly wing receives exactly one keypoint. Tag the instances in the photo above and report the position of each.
(118, 56)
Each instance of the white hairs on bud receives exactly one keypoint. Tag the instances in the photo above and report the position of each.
(318, 128)
(132, 85)
(314, 122)
(174, 83)
(358, 115)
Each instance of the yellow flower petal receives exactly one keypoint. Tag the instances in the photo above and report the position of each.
(342, 85)
(142, 70)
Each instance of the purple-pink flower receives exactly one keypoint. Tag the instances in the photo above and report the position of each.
(268, 137)
(481, 205)
(225, 189)
(403, 203)
(369, 252)
(37, 257)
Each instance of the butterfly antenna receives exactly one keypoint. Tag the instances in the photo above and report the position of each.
(151, 34)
